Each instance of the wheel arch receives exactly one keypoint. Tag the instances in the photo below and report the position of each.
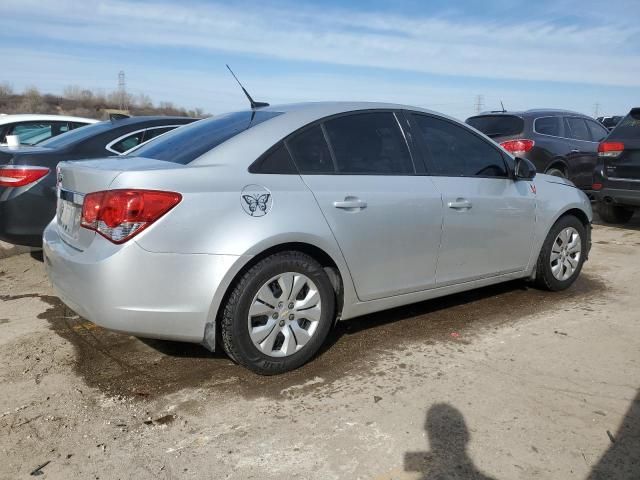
(558, 162)
(336, 269)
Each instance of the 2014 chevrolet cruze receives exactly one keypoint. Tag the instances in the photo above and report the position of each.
(256, 230)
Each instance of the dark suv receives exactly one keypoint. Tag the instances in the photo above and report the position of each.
(616, 179)
(558, 142)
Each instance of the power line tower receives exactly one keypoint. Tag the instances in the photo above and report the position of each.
(596, 110)
(479, 106)
(122, 91)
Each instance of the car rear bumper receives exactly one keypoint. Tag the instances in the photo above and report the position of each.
(130, 290)
(619, 196)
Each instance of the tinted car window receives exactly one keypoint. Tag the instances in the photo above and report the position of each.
(547, 126)
(183, 145)
(127, 143)
(497, 125)
(629, 127)
(155, 132)
(369, 143)
(277, 160)
(576, 128)
(454, 151)
(598, 132)
(310, 151)
(77, 135)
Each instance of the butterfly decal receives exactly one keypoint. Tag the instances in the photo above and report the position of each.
(257, 203)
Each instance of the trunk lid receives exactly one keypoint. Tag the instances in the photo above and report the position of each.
(76, 179)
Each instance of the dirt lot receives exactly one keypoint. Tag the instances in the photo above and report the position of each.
(504, 383)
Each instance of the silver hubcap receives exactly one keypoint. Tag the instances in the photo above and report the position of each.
(284, 314)
(565, 253)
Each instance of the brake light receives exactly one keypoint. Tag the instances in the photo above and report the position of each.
(20, 176)
(518, 147)
(596, 186)
(119, 215)
(610, 149)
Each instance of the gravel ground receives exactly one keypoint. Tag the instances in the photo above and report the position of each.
(506, 382)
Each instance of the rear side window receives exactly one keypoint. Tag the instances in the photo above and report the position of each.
(576, 128)
(369, 144)
(547, 126)
(628, 128)
(183, 145)
(497, 125)
(454, 151)
(155, 132)
(310, 152)
(598, 132)
(127, 143)
(277, 160)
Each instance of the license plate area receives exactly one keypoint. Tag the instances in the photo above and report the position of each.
(68, 213)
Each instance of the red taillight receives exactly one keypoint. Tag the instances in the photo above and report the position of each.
(19, 176)
(118, 215)
(610, 149)
(596, 186)
(518, 147)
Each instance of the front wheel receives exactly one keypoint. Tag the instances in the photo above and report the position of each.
(278, 314)
(562, 255)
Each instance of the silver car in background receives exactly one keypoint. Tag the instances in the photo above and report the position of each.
(257, 230)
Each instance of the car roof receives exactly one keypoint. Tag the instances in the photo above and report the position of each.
(26, 117)
(256, 140)
(135, 120)
(533, 112)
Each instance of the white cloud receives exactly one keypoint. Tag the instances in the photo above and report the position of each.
(527, 50)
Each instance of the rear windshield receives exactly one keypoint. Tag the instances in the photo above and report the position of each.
(497, 125)
(629, 127)
(185, 144)
(77, 135)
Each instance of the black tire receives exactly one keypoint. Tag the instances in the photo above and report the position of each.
(544, 276)
(556, 172)
(234, 330)
(614, 213)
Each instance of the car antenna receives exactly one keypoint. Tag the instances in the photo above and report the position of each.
(502, 105)
(254, 104)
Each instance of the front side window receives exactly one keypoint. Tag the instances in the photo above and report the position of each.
(369, 144)
(454, 151)
(547, 126)
(576, 128)
(310, 152)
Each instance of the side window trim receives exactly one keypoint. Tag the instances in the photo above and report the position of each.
(110, 148)
(432, 171)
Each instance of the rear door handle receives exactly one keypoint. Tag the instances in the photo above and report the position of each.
(350, 203)
(460, 204)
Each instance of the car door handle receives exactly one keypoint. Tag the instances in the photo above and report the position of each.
(460, 204)
(350, 203)
(575, 150)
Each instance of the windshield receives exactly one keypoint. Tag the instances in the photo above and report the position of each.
(185, 144)
(77, 135)
(497, 125)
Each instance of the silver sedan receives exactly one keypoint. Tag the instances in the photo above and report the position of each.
(258, 230)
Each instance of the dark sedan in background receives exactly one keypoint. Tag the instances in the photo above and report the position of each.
(27, 174)
(558, 142)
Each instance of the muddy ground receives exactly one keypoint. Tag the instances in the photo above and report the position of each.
(506, 382)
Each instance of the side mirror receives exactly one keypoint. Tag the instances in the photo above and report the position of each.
(525, 170)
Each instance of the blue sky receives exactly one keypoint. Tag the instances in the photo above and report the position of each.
(436, 54)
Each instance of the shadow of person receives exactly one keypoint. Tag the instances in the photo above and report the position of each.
(448, 439)
(622, 460)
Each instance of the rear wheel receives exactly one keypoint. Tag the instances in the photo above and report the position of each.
(278, 314)
(562, 255)
(614, 213)
(556, 172)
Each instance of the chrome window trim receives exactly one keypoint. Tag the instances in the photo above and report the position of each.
(113, 142)
(556, 136)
